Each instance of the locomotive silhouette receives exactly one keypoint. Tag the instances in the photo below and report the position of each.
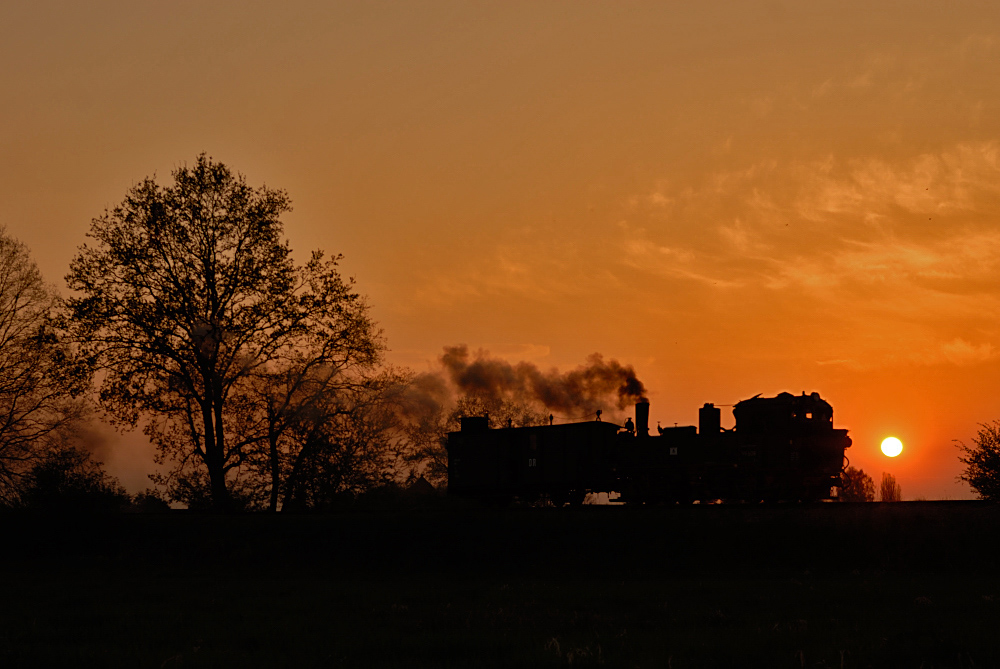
(782, 448)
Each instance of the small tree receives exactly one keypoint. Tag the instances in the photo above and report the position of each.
(856, 486)
(889, 490)
(982, 461)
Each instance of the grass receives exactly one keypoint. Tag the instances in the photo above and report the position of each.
(457, 587)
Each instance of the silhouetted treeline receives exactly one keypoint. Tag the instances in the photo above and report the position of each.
(68, 480)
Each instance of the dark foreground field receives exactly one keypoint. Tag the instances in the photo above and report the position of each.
(896, 585)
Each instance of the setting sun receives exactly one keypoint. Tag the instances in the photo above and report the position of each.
(892, 446)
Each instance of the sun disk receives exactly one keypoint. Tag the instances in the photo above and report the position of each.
(892, 446)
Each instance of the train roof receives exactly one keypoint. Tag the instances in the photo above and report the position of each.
(480, 424)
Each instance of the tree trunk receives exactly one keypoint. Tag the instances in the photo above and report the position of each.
(272, 442)
(214, 459)
(292, 483)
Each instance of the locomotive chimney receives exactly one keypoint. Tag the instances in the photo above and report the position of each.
(709, 420)
(642, 417)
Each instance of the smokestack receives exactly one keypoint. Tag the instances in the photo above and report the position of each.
(709, 420)
(642, 417)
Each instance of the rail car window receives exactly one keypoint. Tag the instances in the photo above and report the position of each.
(809, 415)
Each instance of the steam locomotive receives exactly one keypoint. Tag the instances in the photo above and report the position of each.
(782, 448)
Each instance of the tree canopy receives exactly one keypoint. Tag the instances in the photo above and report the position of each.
(856, 486)
(982, 461)
(69, 480)
(186, 297)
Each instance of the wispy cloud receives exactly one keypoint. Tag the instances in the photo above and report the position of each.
(961, 352)
(524, 265)
(872, 241)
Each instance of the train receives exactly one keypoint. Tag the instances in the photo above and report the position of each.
(782, 448)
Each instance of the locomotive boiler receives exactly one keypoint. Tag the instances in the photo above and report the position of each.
(782, 448)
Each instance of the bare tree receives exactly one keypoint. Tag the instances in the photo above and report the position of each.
(325, 431)
(427, 412)
(889, 490)
(982, 461)
(856, 486)
(347, 445)
(188, 291)
(425, 421)
(38, 376)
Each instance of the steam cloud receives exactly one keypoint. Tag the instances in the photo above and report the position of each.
(89, 436)
(578, 392)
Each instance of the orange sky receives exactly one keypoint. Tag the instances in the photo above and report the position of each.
(737, 198)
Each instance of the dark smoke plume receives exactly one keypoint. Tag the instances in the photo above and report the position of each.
(515, 395)
(578, 393)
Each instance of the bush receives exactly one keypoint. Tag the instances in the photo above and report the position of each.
(149, 501)
(69, 480)
(856, 486)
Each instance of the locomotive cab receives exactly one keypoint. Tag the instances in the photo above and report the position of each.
(789, 446)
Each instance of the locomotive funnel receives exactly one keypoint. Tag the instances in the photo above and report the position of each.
(642, 418)
(709, 420)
